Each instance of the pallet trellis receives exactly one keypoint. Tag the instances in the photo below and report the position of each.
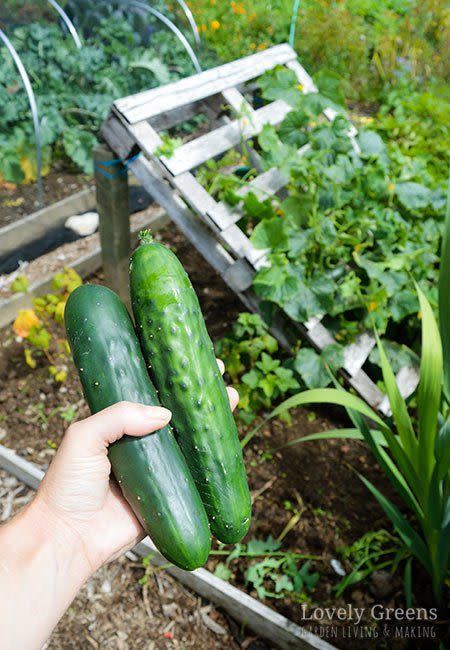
(133, 126)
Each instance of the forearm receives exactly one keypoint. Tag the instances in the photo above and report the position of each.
(42, 566)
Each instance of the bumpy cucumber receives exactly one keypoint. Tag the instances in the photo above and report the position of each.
(151, 471)
(182, 363)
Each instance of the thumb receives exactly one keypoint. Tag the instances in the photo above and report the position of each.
(98, 431)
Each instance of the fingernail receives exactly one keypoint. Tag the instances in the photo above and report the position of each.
(159, 413)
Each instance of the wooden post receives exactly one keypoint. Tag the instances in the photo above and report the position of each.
(114, 218)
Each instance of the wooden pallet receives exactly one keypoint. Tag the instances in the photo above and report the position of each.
(133, 126)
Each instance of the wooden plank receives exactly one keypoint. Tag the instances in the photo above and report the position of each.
(261, 619)
(27, 472)
(114, 219)
(210, 107)
(367, 389)
(239, 276)
(356, 353)
(263, 186)
(237, 101)
(149, 103)
(308, 85)
(194, 153)
(36, 225)
(117, 136)
(407, 380)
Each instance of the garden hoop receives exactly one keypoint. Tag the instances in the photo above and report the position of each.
(178, 33)
(191, 20)
(34, 111)
(69, 24)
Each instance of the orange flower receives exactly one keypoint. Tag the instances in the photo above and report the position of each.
(24, 323)
(215, 25)
(238, 8)
(203, 27)
(372, 306)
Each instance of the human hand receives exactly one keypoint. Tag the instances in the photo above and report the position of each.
(77, 493)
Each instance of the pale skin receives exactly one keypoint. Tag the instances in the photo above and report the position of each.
(77, 522)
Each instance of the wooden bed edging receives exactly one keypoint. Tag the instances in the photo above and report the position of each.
(84, 266)
(263, 620)
(35, 225)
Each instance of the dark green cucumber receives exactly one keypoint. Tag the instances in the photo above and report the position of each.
(183, 366)
(151, 471)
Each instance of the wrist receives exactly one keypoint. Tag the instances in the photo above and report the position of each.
(63, 541)
(44, 554)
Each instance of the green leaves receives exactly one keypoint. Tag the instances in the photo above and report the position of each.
(444, 298)
(270, 233)
(315, 368)
(430, 386)
(413, 196)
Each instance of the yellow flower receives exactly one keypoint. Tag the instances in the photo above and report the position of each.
(212, 2)
(252, 16)
(391, 187)
(24, 323)
(262, 46)
(215, 25)
(358, 247)
(252, 46)
(372, 305)
(203, 27)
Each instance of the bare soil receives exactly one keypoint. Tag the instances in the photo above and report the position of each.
(18, 201)
(318, 478)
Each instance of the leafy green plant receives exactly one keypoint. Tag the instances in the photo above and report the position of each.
(75, 88)
(249, 354)
(40, 328)
(373, 551)
(276, 575)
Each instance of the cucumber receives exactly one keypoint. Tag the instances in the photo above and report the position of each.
(151, 471)
(183, 366)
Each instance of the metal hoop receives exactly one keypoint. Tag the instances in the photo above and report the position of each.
(181, 37)
(190, 17)
(34, 111)
(69, 24)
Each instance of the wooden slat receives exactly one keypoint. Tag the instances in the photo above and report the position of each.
(308, 85)
(264, 185)
(210, 107)
(356, 354)
(117, 136)
(407, 380)
(237, 101)
(194, 153)
(195, 194)
(239, 276)
(149, 103)
(36, 225)
(367, 389)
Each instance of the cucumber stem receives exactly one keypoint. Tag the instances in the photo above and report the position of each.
(145, 236)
